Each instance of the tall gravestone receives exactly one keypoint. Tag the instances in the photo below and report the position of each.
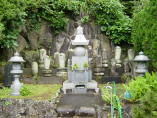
(8, 77)
(79, 72)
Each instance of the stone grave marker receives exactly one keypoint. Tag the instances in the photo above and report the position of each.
(8, 77)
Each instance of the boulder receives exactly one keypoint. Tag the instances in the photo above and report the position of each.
(22, 44)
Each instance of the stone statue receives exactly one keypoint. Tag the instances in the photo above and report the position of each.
(47, 62)
(96, 44)
(34, 68)
(42, 56)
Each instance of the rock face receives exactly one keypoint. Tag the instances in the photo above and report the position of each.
(22, 108)
(44, 37)
(61, 43)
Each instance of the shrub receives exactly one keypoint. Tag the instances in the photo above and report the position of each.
(141, 85)
(105, 95)
(147, 106)
(25, 91)
(144, 31)
(109, 14)
(16, 13)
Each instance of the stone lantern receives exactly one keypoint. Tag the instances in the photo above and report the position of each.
(141, 64)
(16, 61)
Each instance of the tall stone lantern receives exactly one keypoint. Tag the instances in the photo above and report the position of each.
(141, 64)
(16, 61)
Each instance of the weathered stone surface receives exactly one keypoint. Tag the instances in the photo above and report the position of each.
(33, 38)
(66, 110)
(45, 33)
(86, 111)
(45, 38)
(22, 44)
(22, 108)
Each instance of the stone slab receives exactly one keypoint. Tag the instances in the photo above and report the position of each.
(79, 100)
(82, 104)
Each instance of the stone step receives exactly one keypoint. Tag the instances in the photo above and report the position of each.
(68, 110)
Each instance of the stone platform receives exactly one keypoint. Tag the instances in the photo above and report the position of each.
(79, 105)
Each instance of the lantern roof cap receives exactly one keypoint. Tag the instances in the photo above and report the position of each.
(141, 57)
(16, 58)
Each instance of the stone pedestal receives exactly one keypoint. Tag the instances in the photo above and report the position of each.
(47, 73)
(79, 72)
(42, 56)
(61, 73)
(98, 69)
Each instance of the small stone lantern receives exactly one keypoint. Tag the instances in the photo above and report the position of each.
(16, 61)
(141, 64)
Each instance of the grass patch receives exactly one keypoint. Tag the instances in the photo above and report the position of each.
(37, 92)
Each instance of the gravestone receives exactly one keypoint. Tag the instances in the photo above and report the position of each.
(79, 71)
(8, 77)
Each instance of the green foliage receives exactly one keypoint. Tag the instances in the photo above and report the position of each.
(6, 103)
(129, 6)
(85, 19)
(74, 67)
(31, 55)
(141, 85)
(4, 92)
(85, 65)
(17, 13)
(12, 15)
(24, 91)
(147, 106)
(137, 88)
(8, 43)
(38, 92)
(105, 95)
(110, 15)
(144, 32)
